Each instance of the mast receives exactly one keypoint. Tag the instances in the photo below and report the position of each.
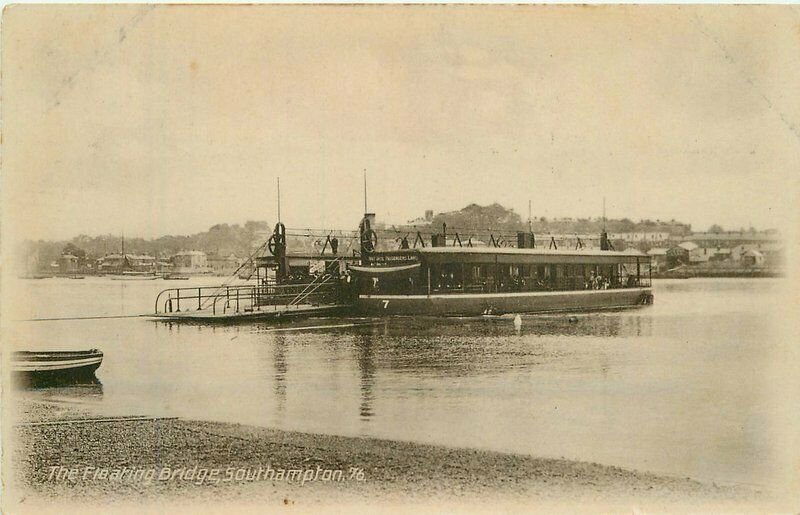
(368, 237)
(604, 214)
(277, 242)
(365, 190)
(530, 222)
(604, 243)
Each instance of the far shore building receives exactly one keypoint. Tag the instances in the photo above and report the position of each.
(117, 263)
(635, 238)
(699, 254)
(752, 258)
(729, 239)
(224, 263)
(68, 264)
(721, 254)
(676, 256)
(658, 256)
(191, 262)
(763, 250)
(695, 252)
(772, 253)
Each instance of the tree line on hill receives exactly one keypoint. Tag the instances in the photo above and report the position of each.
(226, 239)
(497, 217)
(223, 239)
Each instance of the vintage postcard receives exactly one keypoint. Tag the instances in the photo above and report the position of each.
(441, 258)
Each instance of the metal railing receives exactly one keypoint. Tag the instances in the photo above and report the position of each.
(312, 288)
(246, 297)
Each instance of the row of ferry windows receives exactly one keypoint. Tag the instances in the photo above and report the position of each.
(538, 271)
(481, 278)
(492, 277)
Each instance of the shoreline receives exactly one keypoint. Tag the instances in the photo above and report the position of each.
(372, 470)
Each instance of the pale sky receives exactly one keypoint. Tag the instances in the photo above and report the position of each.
(166, 120)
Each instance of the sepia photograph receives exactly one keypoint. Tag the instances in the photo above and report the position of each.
(439, 258)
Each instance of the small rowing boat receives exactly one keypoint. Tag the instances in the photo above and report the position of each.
(44, 368)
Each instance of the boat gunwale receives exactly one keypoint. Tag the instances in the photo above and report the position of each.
(497, 295)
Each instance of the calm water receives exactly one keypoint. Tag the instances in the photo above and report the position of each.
(681, 387)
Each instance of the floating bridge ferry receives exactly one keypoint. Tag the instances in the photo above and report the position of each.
(430, 278)
(474, 281)
(495, 279)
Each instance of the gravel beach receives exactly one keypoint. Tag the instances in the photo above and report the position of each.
(67, 454)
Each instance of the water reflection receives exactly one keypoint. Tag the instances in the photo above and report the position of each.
(366, 369)
(611, 324)
(281, 368)
(473, 346)
(78, 386)
(677, 387)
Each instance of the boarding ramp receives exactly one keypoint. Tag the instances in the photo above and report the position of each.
(250, 300)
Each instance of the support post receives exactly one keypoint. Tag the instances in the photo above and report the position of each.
(638, 274)
(429, 279)
(496, 274)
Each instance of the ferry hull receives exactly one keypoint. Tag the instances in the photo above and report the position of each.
(468, 304)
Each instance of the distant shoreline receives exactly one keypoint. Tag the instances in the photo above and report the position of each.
(721, 273)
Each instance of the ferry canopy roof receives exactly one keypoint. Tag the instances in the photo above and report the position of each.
(510, 255)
